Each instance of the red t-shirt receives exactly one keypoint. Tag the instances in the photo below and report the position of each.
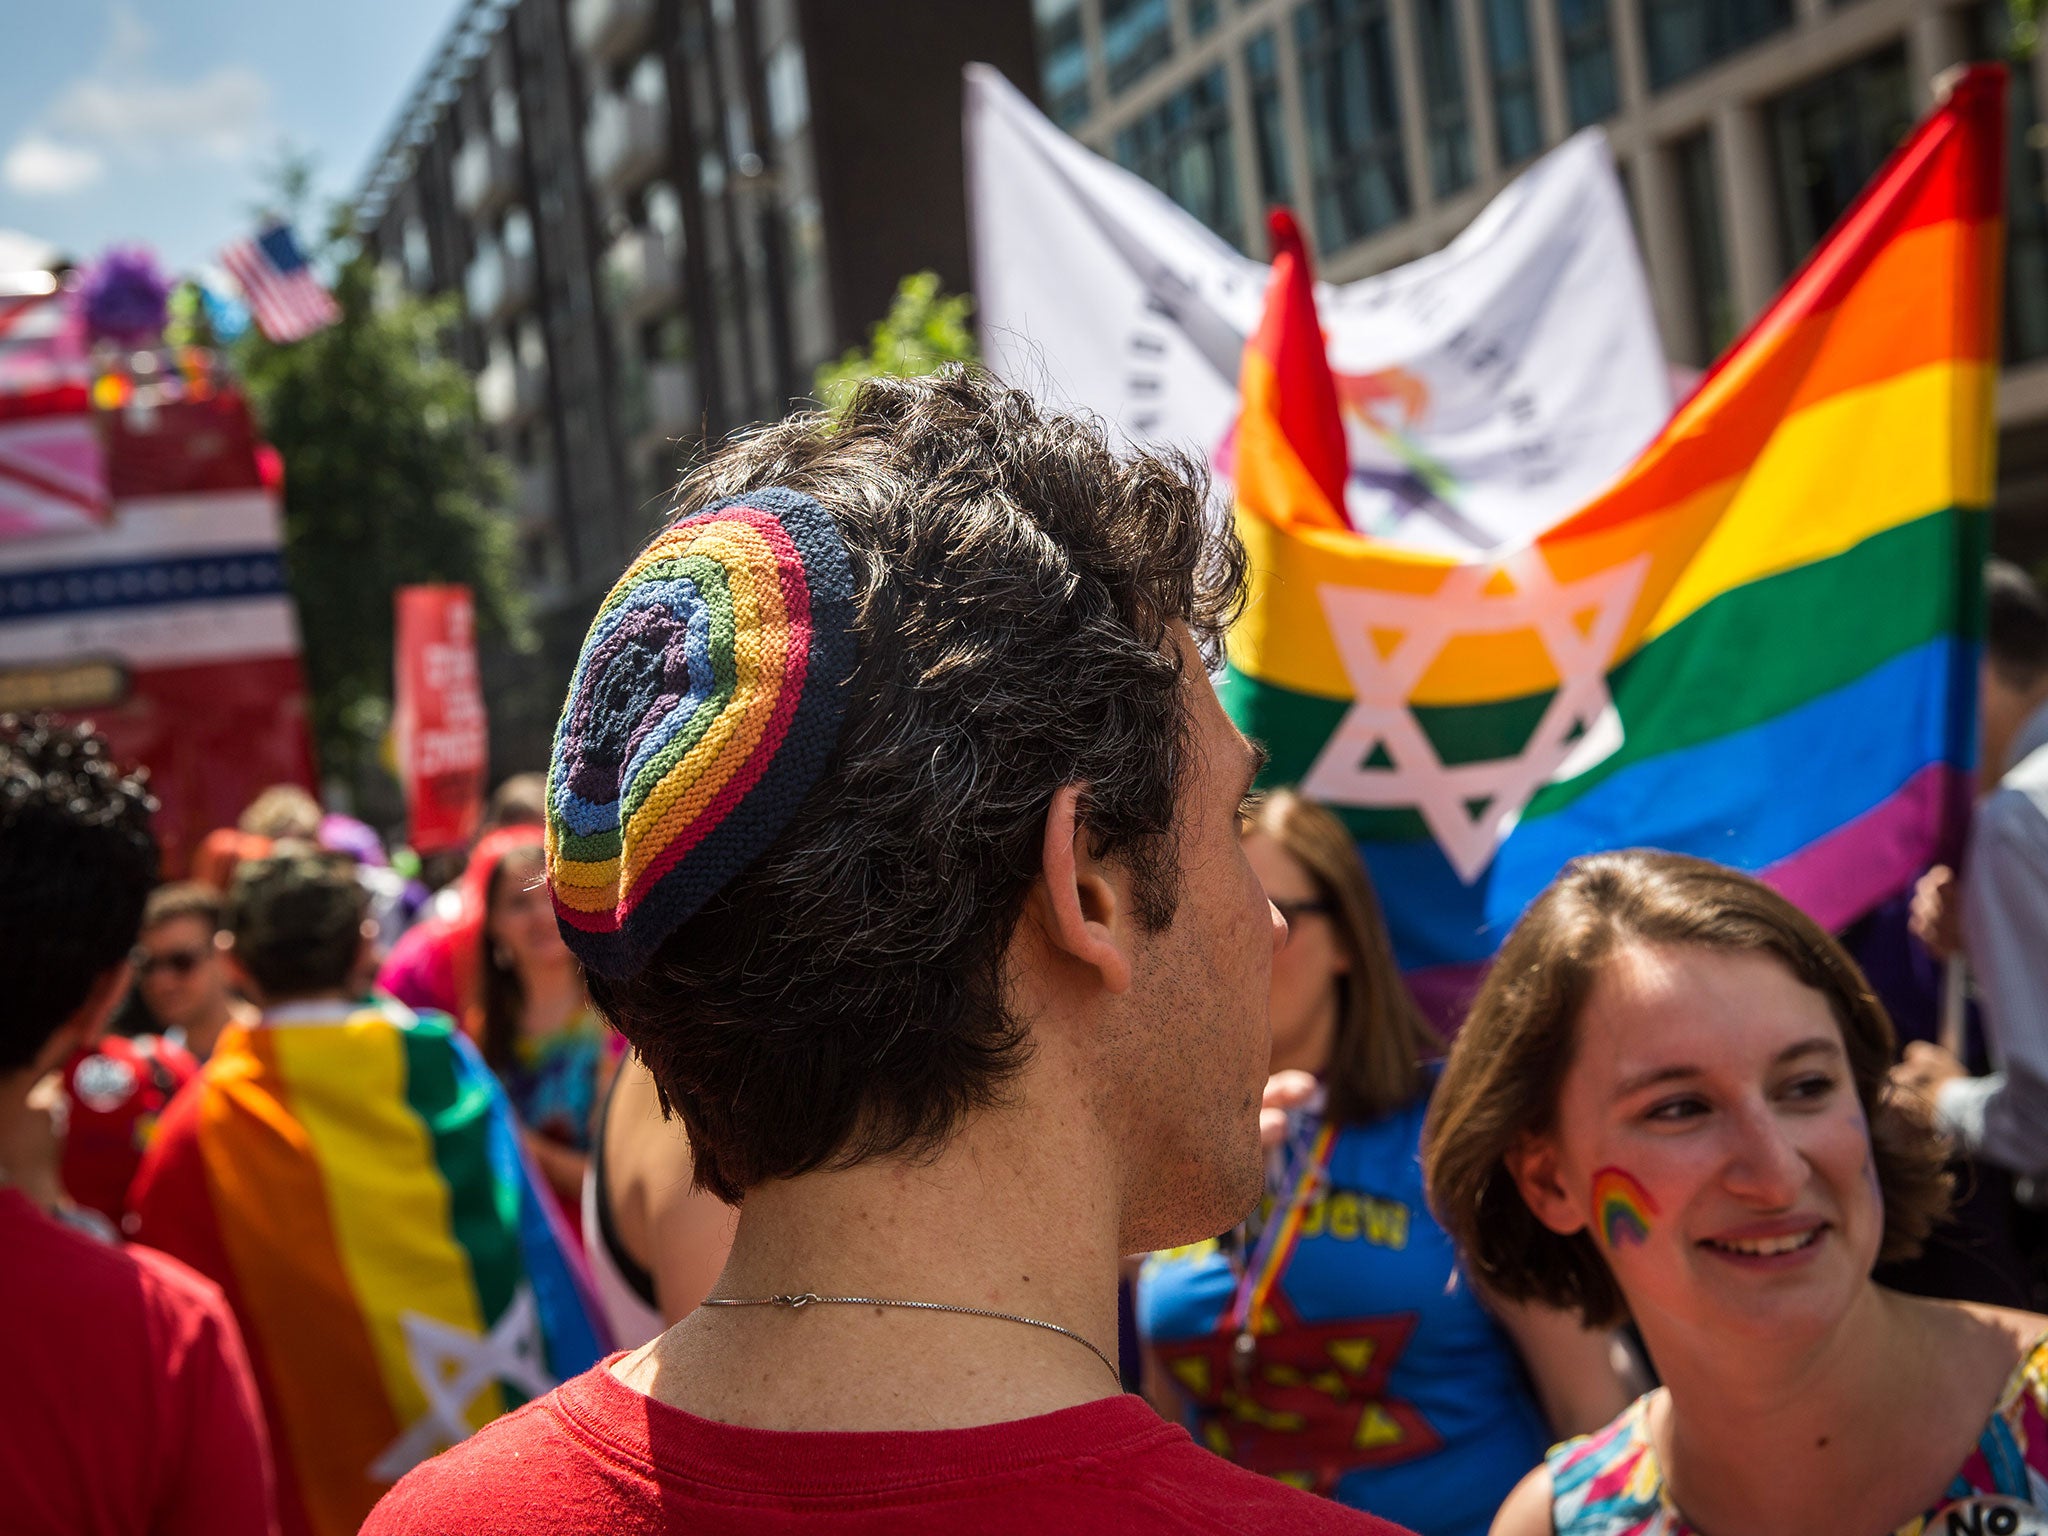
(116, 1089)
(126, 1403)
(594, 1456)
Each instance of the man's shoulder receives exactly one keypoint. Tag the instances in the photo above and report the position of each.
(577, 1461)
(2019, 802)
(523, 1471)
(1189, 1489)
(118, 1287)
(2008, 838)
(174, 1285)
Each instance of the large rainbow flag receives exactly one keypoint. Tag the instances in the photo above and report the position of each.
(1758, 646)
(358, 1189)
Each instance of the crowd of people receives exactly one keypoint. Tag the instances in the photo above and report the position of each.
(893, 1072)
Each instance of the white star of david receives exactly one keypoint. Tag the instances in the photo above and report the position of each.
(1387, 641)
(453, 1365)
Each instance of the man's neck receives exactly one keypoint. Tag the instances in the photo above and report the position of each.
(1812, 1414)
(310, 1007)
(27, 1154)
(202, 1035)
(1013, 1216)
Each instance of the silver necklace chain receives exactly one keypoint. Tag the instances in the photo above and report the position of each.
(802, 1299)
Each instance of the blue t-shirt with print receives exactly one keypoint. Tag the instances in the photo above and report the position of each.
(1378, 1377)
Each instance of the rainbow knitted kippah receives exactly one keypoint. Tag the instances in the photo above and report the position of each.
(702, 710)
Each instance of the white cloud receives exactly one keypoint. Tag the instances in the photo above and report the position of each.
(222, 115)
(122, 112)
(40, 166)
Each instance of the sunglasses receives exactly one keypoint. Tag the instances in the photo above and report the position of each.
(1294, 911)
(179, 962)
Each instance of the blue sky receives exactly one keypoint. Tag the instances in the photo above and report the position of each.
(154, 120)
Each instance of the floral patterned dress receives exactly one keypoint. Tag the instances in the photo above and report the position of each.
(1609, 1484)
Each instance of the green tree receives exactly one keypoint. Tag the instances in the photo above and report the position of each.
(923, 331)
(387, 482)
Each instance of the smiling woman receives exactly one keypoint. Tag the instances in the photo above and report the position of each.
(1670, 1103)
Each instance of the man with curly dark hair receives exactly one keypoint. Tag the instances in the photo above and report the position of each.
(895, 820)
(126, 1400)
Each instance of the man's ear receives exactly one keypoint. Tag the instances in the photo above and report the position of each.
(1533, 1164)
(1086, 915)
(366, 951)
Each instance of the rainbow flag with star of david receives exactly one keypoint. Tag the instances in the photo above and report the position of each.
(1759, 646)
(357, 1186)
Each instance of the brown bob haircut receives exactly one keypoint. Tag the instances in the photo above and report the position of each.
(1382, 1041)
(1509, 1063)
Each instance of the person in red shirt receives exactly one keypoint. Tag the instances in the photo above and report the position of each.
(895, 820)
(126, 1401)
(115, 1088)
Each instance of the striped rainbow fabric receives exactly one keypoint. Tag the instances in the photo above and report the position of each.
(1759, 646)
(701, 711)
(359, 1191)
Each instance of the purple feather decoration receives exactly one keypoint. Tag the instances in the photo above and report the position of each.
(125, 296)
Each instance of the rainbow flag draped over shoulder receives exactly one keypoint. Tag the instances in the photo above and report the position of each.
(357, 1187)
(1759, 646)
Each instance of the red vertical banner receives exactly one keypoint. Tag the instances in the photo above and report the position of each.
(439, 718)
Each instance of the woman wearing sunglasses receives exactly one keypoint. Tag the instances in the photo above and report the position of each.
(1333, 1343)
(1670, 1102)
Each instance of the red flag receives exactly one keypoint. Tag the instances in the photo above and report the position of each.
(439, 718)
(1291, 458)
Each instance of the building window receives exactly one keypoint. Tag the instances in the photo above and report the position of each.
(1269, 118)
(1358, 178)
(648, 81)
(517, 236)
(789, 94)
(1136, 34)
(1588, 60)
(531, 346)
(1063, 55)
(419, 256)
(667, 340)
(1201, 17)
(1511, 59)
(1449, 123)
(1683, 37)
(505, 117)
(2026, 194)
(1625, 174)
(1700, 198)
(1183, 147)
(739, 136)
(1829, 135)
(663, 212)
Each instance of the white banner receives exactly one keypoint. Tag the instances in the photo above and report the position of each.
(1487, 389)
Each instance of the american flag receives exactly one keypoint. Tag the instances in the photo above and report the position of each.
(284, 296)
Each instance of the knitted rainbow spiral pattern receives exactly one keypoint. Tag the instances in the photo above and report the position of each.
(704, 704)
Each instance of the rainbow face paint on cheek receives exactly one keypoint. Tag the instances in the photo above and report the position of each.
(1622, 1208)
